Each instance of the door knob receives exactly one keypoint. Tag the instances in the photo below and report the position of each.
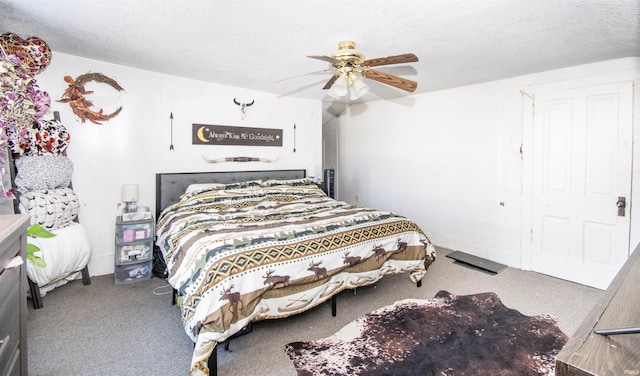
(622, 204)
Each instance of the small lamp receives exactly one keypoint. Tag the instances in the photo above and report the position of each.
(130, 197)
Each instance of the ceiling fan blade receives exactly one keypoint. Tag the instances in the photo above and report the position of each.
(325, 58)
(300, 89)
(401, 70)
(330, 82)
(305, 74)
(390, 79)
(397, 59)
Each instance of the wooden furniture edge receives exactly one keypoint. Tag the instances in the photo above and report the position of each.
(573, 346)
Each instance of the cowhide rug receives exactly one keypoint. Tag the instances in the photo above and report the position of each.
(447, 335)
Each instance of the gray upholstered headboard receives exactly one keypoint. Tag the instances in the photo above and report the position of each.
(170, 186)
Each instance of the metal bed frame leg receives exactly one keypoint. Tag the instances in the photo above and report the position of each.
(86, 279)
(35, 294)
(334, 305)
(212, 362)
(34, 289)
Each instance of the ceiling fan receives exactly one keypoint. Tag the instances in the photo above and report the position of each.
(348, 64)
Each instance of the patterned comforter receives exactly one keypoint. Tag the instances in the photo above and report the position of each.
(249, 251)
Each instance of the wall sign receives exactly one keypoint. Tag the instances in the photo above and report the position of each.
(203, 134)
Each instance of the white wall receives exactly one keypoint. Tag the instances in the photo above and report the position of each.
(134, 146)
(450, 160)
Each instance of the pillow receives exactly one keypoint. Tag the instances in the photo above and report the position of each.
(68, 251)
(195, 189)
(42, 172)
(203, 187)
(243, 184)
(51, 208)
(291, 182)
(43, 137)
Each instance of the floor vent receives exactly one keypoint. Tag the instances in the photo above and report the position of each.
(476, 262)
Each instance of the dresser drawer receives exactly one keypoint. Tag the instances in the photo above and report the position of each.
(13, 368)
(10, 314)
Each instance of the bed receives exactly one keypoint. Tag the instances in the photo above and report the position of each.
(248, 246)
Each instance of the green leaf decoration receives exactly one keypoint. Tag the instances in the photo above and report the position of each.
(32, 258)
(38, 231)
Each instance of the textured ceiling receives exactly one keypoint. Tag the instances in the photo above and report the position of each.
(253, 44)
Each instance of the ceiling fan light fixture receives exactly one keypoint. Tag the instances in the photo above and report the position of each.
(358, 88)
(340, 88)
(332, 95)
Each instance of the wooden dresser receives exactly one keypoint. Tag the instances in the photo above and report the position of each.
(13, 294)
(588, 353)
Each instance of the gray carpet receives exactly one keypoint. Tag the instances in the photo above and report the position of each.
(103, 329)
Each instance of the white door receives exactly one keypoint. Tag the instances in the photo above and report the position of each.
(582, 154)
